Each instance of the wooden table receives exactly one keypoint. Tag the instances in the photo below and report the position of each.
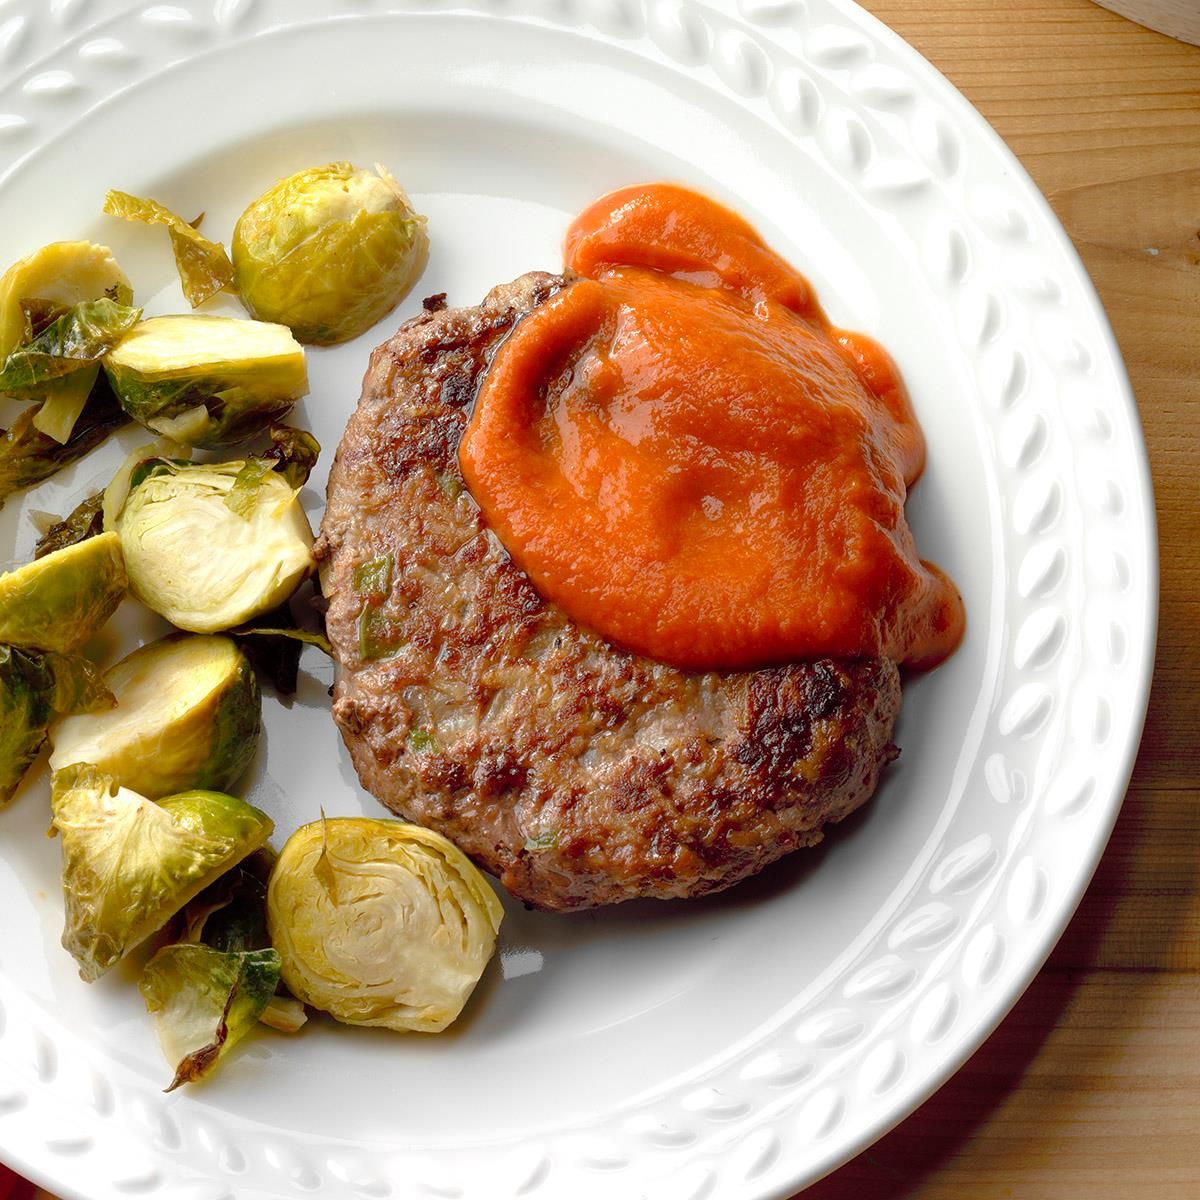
(1090, 1089)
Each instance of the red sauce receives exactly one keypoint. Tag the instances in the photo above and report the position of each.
(683, 453)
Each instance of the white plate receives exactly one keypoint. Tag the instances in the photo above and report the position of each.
(738, 1047)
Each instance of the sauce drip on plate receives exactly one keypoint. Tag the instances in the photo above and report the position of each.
(681, 451)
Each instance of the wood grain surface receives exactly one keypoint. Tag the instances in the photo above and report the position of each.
(1091, 1087)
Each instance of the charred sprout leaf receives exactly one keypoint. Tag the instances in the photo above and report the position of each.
(188, 716)
(301, 636)
(84, 521)
(204, 1002)
(380, 922)
(25, 714)
(81, 336)
(204, 267)
(273, 643)
(27, 456)
(36, 290)
(231, 914)
(63, 402)
(294, 453)
(207, 381)
(328, 251)
(204, 563)
(59, 601)
(130, 864)
(34, 688)
(39, 315)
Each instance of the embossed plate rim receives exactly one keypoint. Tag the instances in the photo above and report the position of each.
(824, 50)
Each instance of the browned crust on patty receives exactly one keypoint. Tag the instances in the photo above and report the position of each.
(578, 773)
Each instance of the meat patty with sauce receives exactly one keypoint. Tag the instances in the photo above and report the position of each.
(578, 773)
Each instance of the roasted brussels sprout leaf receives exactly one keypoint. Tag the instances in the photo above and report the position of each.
(36, 291)
(231, 914)
(39, 315)
(207, 381)
(204, 1002)
(60, 600)
(188, 716)
(130, 864)
(293, 452)
(77, 686)
(79, 338)
(273, 643)
(27, 456)
(210, 546)
(204, 267)
(328, 251)
(84, 521)
(33, 688)
(380, 923)
(24, 716)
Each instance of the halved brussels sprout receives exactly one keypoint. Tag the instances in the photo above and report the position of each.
(207, 381)
(61, 275)
(130, 864)
(59, 601)
(328, 251)
(212, 545)
(204, 1002)
(33, 688)
(380, 922)
(188, 716)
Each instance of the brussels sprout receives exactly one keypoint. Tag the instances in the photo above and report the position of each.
(129, 864)
(33, 687)
(27, 456)
(212, 545)
(59, 601)
(188, 716)
(205, 1002)
(328, 251)
(204, 267)
(380, 922)
(84, 521)
(207, 381)
(55, 278)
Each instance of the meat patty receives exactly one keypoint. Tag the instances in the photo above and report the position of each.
(576, 772)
